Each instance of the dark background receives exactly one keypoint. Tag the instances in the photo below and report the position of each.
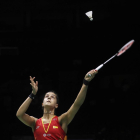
(57, 43)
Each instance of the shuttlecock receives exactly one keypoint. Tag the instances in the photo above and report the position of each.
(89, 14)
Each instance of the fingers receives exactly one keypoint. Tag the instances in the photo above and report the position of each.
(32, 79)
(90, 75)
(36, 83)
(93, 72)
(33, 83)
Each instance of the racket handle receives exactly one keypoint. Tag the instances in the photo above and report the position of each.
(99, 67)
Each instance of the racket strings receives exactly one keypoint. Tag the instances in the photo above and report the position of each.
(125, 47)
(121, 51)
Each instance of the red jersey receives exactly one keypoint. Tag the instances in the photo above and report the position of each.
(49, 131)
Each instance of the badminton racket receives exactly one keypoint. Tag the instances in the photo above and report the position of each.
(120, 52)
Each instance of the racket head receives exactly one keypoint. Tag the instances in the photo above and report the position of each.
(125, 47)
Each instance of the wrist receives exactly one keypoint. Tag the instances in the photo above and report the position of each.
(32, 96)
(85, 82)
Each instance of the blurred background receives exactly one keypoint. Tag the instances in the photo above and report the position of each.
(57, 43)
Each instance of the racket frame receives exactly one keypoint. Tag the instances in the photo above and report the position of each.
(127, 46)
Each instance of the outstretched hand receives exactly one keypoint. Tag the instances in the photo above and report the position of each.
(34, 85)
(90, 75)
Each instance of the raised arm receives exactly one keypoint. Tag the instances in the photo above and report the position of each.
(69, 115)
(21, 113)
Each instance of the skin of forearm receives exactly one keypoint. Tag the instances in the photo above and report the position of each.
(23, 108)
(81, 95)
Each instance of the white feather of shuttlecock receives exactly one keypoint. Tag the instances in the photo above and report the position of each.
(89, 14)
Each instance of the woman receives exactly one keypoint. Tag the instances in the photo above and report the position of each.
(50, 126)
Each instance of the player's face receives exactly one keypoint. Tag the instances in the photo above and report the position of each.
(50, 99)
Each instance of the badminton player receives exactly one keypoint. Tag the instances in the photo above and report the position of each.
(50, 126)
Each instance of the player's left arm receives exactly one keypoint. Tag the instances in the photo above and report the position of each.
(68, 116)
